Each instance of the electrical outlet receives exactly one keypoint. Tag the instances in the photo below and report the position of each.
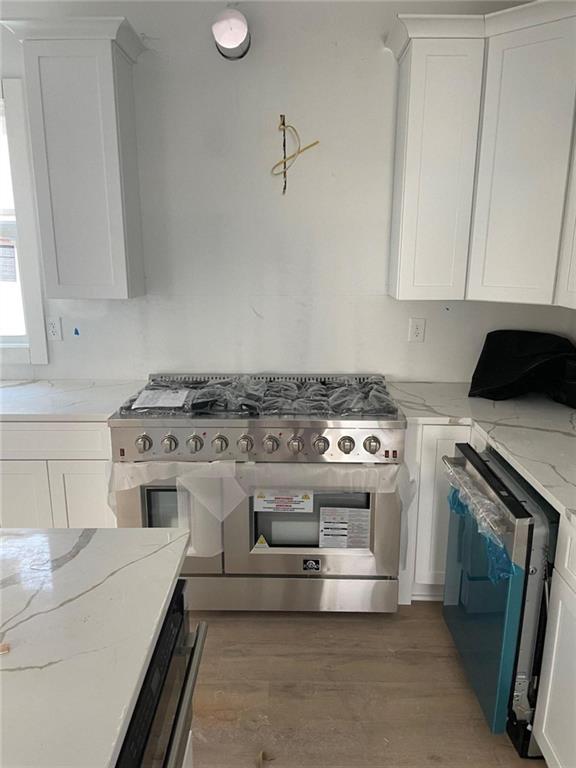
(416, 329)
(54, 328)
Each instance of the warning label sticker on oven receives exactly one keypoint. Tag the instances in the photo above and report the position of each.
(285, 500)
(344, 528)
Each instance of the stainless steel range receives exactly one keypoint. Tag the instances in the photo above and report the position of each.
(288, 484)
(260, 418)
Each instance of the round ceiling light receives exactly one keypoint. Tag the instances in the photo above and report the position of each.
(231, 34)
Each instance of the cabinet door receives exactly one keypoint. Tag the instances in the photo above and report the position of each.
(24, 495)
(83, 148)
(555, 718)
(80, 494)
(439, 89)
(524, 158)
(566, 283)
(433, 512)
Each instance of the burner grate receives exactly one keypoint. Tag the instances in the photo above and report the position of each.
(299, 378)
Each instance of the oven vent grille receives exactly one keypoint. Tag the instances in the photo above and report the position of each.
(183, 378)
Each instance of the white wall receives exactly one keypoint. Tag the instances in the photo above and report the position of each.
(239, 277)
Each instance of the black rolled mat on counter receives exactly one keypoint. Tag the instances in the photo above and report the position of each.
(513, 363)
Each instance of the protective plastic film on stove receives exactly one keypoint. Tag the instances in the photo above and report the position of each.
(207, 493)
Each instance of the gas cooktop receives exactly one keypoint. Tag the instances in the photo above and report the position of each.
(260, 417)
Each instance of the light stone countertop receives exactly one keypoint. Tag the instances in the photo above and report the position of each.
(533, 433)
(63, 400)
(81, 610)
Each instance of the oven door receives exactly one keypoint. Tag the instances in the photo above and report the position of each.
(159, 505)
(341, 533)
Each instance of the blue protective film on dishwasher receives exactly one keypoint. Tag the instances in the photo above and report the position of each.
(499, 564)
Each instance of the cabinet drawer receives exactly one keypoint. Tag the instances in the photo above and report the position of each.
(61, 440)
(565, 562)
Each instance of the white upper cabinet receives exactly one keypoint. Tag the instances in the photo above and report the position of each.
(566, 283)
(78, 75)
(523, 164)
(439, 92)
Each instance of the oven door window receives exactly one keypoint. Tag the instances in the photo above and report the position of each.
(342, 520)
(161, 507)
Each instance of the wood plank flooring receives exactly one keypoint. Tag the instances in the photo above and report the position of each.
(339, 691)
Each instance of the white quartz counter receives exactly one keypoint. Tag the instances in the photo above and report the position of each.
(81, 611)
(534, 434)
(70, 400)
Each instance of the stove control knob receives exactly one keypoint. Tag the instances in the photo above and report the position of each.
(143, 443)
(220, 444)
(245, 443)
(295, 445)
(169, 443)
(270, 443)
(195, 443)
(346, 444)
(372, 444)
(321, 445)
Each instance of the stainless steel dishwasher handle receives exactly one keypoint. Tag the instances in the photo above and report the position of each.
(492, 504)
(182, 725)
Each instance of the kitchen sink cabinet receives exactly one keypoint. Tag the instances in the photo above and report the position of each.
(24, 495)
(439, 89)
(433, 511)
(524, 158)
(78, 80)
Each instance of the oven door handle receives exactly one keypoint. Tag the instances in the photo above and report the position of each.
(181, 728)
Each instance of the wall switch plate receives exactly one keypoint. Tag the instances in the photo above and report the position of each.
(416, 329)
(54, 329)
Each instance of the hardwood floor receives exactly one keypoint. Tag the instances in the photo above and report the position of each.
(338, 691)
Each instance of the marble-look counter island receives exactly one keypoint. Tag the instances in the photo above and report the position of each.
(80, 610)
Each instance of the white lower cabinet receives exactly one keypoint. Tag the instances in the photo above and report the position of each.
(433, 512)
(24, 495)
(555, 720)
(79, 491)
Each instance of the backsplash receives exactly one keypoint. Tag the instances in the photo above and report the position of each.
(240, 277)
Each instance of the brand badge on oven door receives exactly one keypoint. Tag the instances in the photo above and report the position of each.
(311, 565)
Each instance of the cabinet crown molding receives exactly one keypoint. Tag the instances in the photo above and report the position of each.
(410, 26)
(436, 26)
(116, 28)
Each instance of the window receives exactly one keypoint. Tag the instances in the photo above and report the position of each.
(22, 336)
(12, 325)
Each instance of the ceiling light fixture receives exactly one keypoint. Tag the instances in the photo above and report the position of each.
(231, 34)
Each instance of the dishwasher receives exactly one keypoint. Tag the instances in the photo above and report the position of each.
(501, 544)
